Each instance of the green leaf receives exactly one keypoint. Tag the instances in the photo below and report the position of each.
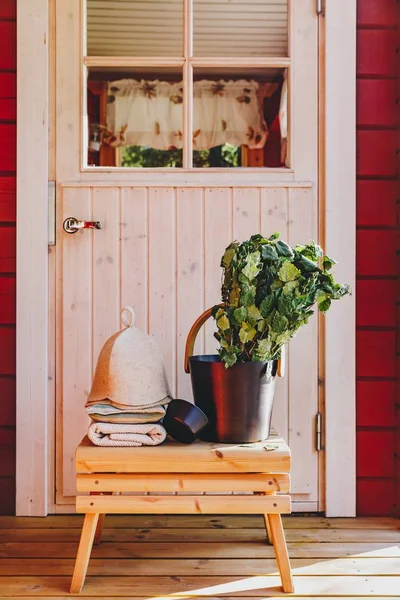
(261, 325)
(240, 315)
(223, 323)
(308, 265)
(246, 334)
(234, 295)
(288, 272)
(328, 263)
(311, 251)
(251, 270)
(263, 349)
(267, 306)
(228, 257)
(285, 305)
(224, 343)
(228, 358)
(283, 338)
(247, 298)
(324, 305)
(276, 285)
(219, 313)
(253, 313)
(290, 286)
(279, 323)
(268, 252)
(283, 249)
(274, 236)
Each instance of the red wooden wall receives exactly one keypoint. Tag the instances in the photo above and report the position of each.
(7, 253)
(377, 264)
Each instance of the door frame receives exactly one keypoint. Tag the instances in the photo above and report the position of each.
(35, 443)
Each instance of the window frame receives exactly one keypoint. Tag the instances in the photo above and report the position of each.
(70, 94)
(187, 62)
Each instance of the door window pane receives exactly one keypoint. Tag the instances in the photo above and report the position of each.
(239, 118)
(135, 117)
(241, 28)
(134, 28)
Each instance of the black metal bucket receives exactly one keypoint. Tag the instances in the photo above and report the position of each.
(237, 401)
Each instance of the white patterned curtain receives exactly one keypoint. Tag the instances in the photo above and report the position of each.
(150, 113)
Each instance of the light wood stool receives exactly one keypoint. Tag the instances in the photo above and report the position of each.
(262, 468)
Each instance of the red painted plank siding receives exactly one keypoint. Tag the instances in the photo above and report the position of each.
(7, 199)
(377, 262)
(376, 52)
(7, 351)
(8, 147)
(8, 9)
(376, 353)
(8, 85)
(375, 497)
(397, 465)
(7, 249)
(374, 303)
(376, 102)
(376, 252)
(7, 300)
(7, 45)
(376, 13)
(7, 253)
(7, 395)
(375, 203)
(376, 153)
(8, 109)
(7, 452)
(373, 449)
(7, 495)
(376, 404)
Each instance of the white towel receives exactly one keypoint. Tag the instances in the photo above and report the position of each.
(112, 434)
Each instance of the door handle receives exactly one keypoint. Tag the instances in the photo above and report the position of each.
(72, 225)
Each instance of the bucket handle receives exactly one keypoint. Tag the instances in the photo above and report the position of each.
(191, 340)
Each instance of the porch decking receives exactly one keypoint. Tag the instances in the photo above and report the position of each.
(200, 556)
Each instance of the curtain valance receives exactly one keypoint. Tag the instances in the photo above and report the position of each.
(150, 113)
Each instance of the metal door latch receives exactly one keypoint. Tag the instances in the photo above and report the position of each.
(318, 432)
(321, 7)
(72, 225)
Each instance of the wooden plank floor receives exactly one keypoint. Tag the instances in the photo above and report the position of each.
(146, 557)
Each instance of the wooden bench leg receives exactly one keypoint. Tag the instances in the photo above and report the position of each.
(99, 530)
(84, 550)
(281, 553)
(268, 529)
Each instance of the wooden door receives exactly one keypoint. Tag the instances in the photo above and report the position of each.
(160, 248)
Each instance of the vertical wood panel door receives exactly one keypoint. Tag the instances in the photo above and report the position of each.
(164, 231)
(159, 250)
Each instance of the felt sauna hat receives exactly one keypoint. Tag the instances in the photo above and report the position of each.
(130, 370)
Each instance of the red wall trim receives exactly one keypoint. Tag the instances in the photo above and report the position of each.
(7, 253)
(377, 261)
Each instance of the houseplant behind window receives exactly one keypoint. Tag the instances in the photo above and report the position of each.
(269, 291)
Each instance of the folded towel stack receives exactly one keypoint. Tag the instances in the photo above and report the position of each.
(130, 390)
(110, 434)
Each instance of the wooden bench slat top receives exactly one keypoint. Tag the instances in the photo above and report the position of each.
(270, 456)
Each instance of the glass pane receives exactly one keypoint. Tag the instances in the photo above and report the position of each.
(240, 118)
(241, 28)
(135, 117)
(134, 27)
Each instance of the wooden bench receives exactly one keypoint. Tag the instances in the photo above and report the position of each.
(261, 470)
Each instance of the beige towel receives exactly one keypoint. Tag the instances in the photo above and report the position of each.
(108, 414)
(111, 434)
